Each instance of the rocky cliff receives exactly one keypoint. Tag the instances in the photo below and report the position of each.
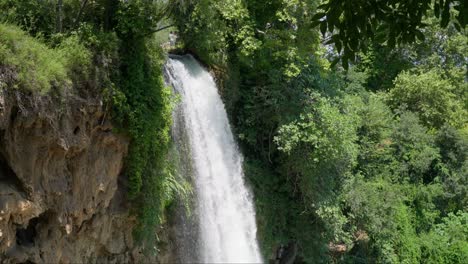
(60, 162)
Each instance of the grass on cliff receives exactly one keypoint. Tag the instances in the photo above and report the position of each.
(37, 66)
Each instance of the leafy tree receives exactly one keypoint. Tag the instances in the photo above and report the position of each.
(375, 144)
(214, 28)
(382, 64)
(453, 146)
(352, 24)
(33, 16)
(322, 148)
(433, 97)
(414, 150)
(447, 241)
(442, 49)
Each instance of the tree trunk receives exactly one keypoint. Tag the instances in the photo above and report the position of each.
(78, 17)
(59, 16)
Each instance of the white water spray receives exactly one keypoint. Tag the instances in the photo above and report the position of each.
(225, 210)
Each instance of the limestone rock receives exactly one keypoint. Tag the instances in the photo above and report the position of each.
(60, 200)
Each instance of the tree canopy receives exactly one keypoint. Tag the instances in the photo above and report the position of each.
(352, 25)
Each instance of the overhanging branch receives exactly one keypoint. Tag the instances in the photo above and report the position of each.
(161, 28)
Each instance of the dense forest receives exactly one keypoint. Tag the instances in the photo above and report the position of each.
(352, 116)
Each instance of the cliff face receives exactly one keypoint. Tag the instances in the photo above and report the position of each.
(60, 199)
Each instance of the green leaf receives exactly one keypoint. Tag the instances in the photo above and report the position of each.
(315, 23)
(334, 62)
(318, 16)
(331, 26)
(330, 41)
(344, 62)
(380, 37)
(354, 43)
(323, 27)
(338, 46)
(445, 15)
(437, 9)
(323, 6)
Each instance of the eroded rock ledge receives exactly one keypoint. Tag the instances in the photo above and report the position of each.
(60, 200)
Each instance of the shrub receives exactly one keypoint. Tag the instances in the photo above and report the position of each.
(430, 95)
(38, 67)
(76, 58)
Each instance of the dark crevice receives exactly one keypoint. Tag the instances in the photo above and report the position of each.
(14, 113)
(8, 176)
(76, 130)
(28, 262)
(26, 236)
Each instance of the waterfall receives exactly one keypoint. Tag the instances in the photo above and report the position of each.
(224, 209)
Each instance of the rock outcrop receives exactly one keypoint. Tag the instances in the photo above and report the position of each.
(60, 200)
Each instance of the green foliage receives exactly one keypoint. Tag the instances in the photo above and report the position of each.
(221, 32)
(268, 99)
(352, 24)
(280, 218)
(442, 50)
(433, 97)
(382, 64)
(393, 215)
(401, 197)
(442, 47)
(286, 35)
(213, 28)
(272, 196)
(322, 148)
(372, 203)
(326, 156)
(47, 18)
(453, 146)
(142, 105)
(362, 152)
(163, 185)
(39, 67)
(447, 241)
(137, 19)
(77, 58)
(33, 16)
(414, 150)
(377, 120)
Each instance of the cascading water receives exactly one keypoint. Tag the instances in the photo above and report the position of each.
(226, 216)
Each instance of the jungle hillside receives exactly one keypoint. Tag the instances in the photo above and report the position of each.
(351, 116)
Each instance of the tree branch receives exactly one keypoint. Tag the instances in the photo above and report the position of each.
(77, 20)
(161, 28)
